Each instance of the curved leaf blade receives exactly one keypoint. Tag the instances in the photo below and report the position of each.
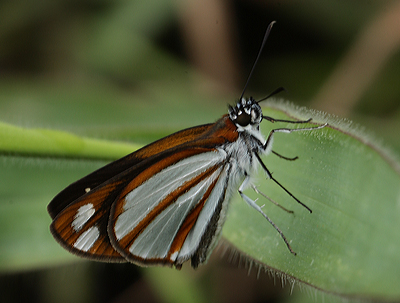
(349, 244)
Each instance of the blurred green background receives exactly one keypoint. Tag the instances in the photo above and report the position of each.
(138, 70)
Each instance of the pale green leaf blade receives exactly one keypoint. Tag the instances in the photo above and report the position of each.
(349, 245)
(46, 142)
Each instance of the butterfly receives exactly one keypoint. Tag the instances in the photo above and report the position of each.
(166, 203)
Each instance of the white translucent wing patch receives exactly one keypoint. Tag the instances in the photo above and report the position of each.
(155, 241)
(87, 239)
(84, 213)
(140, 201)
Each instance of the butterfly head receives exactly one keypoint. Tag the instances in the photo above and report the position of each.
(247, 114)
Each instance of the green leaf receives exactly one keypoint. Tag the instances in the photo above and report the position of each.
(45, 142)
(347, 246)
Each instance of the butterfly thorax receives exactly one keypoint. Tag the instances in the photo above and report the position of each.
(246, 116)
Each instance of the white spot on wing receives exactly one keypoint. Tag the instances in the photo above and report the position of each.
(87, 239)
(83, 215)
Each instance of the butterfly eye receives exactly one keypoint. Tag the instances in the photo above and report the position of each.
(243, 119)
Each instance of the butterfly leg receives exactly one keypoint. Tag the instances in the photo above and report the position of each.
(270, 199)
(253, 204)
(283, 157)
(269, 176)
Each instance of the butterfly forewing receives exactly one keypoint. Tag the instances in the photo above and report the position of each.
(104, 215)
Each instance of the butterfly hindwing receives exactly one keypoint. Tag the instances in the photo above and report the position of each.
(162, 220)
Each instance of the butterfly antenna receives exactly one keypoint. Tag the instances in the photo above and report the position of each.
(258, 57)
(277, 91)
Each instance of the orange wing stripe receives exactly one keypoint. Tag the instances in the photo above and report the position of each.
(190, 220)
(221, 131)
(171, 141)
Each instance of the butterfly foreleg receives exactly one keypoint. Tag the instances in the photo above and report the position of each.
(267, 146)
(284, 157)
